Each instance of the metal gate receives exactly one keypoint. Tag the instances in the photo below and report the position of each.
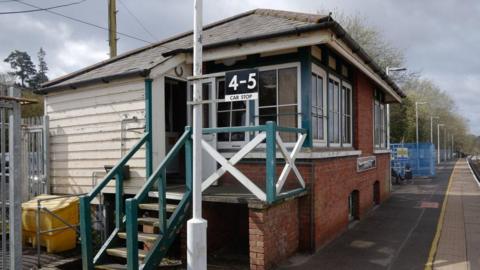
(10, 179)
(35, 155)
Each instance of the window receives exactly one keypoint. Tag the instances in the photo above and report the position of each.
(346, 114)
(380, 121)
(333, 111)
(278, 99)
(318, 93)
(339, 112)
(230, 114)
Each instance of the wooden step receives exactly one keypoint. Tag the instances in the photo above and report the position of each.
(142, 237)
(176, 196)
(149, 221)
(111, 267)
(154, 207)
(165, 263)
(122, 252)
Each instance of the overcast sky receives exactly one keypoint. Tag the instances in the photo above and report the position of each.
(440, 38)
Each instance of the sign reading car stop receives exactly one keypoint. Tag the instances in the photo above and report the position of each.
(241, 85)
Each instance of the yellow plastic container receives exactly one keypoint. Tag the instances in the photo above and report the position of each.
(56, 240)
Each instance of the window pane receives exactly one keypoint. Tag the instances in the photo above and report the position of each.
(320, 128)
(221, 90)
(314, 125)
(330, 111)
(238, 119)
(239, 105)
(268, 88)
(287, 86)
(288, 118)
(320, 94)
(314, 90)
(267, 114)
(224, 106)
(223, 120)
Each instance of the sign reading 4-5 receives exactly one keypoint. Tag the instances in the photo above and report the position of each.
(241, 85)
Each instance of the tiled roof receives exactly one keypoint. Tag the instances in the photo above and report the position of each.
(248, 25)
(252, 23)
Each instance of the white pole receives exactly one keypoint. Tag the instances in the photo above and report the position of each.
(445, 144)
(431, 129)
(416, 120)
(197, 226)
(438, 143)
(416, 123)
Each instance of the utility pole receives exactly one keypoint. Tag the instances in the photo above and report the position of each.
(112, 27)
(197, 226)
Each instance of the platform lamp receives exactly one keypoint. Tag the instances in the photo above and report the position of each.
(438, 139)
(387, 71)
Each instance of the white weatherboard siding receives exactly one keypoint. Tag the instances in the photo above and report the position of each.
(87, 132)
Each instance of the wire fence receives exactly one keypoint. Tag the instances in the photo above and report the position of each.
(421, 158)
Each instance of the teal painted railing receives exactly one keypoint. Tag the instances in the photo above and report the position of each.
(168, 227)
(127, 220)
(271, 129)
(85, 209)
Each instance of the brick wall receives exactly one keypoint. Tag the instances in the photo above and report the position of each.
(273, 234)
(363, 117)
(335, 179)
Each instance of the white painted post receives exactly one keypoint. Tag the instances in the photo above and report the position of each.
(197, 226)
(438, 143)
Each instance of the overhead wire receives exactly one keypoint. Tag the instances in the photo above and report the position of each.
(39, 9)
(138, 20)
(84, 22)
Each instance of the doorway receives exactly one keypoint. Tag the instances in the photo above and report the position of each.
(175, 122)
(353, 206)
(376, 193)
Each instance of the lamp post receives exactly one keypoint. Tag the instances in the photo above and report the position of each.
(438, 144)
(197, 226)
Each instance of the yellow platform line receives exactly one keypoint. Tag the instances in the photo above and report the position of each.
(436, 239)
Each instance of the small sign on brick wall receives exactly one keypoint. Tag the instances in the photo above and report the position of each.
(366, 163)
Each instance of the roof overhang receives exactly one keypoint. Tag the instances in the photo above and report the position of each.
(340, 47)
(327, 32)
(84, 83)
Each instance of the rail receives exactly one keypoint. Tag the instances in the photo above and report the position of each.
(167, 226)
(270, 133)
(116, 173)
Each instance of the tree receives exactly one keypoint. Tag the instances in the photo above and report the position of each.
(22, 65)
(41, 75)
(402, 116)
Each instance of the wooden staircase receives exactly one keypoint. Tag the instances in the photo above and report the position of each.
(145, 225)
(149, 223)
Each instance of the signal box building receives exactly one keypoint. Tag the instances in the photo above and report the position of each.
(285, 173)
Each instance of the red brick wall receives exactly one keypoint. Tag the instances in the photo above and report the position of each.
(335, 179)
(363, 117)
(274, 234)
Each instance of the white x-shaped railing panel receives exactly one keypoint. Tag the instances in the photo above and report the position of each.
(290, 161)
(229, 165)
